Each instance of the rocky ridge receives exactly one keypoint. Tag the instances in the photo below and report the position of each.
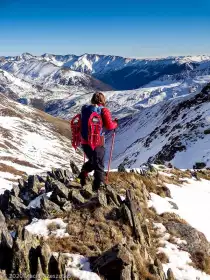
(113, 228)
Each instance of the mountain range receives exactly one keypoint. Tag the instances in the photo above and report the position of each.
(151, 220)
(118, 72)
(142, 93)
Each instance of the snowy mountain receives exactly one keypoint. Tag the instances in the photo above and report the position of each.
(38, 71)
(118, 72)
(139, 220)
(175, 131)
(126, 73)
(50, 82)
(31, 142)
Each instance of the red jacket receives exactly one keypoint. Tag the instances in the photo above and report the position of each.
(108, 123)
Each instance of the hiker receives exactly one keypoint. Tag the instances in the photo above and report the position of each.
(95, 156)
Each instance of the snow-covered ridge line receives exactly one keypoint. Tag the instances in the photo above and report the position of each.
(116, 71)
(68, 57)
(31, 142)
(171, 131)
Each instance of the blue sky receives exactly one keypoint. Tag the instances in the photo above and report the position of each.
(132, 28)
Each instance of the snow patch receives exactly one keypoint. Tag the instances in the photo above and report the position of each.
(179, 261)
(78, 266)
(40, 227)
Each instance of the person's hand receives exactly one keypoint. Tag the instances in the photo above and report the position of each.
(116, 120)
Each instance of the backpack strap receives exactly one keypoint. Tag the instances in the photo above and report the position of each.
(76, 131)
(94, 130)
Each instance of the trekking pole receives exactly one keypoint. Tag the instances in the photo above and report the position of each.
(110, 156)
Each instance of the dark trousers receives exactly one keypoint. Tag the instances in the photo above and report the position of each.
(95, 162)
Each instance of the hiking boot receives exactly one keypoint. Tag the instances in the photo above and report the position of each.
(98, 185)
(83, 178)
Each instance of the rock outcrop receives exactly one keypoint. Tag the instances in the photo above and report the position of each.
(122, 218)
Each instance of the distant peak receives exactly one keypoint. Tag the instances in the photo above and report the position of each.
(26, 55)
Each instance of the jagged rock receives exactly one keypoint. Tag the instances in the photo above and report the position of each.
(143, 172)
(5, 237)
(145, 192)
(60, 189)
(73, 184)
(135, 213)
(56, 267)
(174, 205)
(60, 175)
(32, 189)
(6, 243)
(74, 168)
(147, 234)
(42, 177)
(113, 195)
(24, 255)
(126, 213)
(111, 263)
(39, 273)
(48, 184)
(121, 168)
(53, 267)
(2, 219)
(114, 214)
(77, 198)
(170, 274)
(156, 269)
(126, 273)
(196, 241)
(4, 201)
(57, 199)
(102, 199)
(49, 208)
(34, 184)
(20, 261)
(15, 190)
(87, 191)
(52, 174)
(68, 174)
(67, 206)
(152, 169)
(22, 183)
(16, 207)
(159, 265)
(45, 255)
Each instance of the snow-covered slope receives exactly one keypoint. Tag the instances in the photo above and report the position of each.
(31, 141)
(126, 73)
(21, 90)
(47, 82)
(119, 72)
(174, 131)
(38, 71)
(125, 103)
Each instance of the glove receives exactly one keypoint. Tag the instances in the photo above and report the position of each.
(116, 120)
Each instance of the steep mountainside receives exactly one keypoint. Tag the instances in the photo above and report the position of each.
(41, 72)
(125, 73)
(140, 226)
(31, 141)
(118, 72)
(48, 83)
(175, 131)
